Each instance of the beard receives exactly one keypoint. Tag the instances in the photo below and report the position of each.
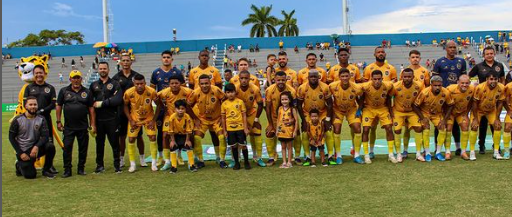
(380, 60)
(282, 65)
(32, 111)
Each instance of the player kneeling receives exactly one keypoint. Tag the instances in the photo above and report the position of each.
(316, 138)
(234, 122)
(180, 130)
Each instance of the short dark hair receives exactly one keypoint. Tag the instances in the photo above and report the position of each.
(310, 54)
(104, 63)
(244, 72)
(180, 102)
(344, 70)
(175, 77)
(491, 73)
(166, 52)
(378, 47)
(204, 51)
(243, 59)
(488, 48)
(408, 70)
(270, 55)
(228, 70)
(138, 77)
(376, 72)
(282, 53)
(281, 73)
(39, 67)
(203, 76)
(29, 98)
(230, 87)
(414, 52)
(343, 49)
(314, 111)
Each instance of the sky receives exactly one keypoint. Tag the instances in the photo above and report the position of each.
(153, 20)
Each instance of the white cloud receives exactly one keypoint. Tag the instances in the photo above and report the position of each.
(433, 16)
(65, 10)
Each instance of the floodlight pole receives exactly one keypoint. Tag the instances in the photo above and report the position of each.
(345, 16)
(106, 37)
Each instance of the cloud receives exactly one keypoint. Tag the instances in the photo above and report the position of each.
(65, 10)
(432, 16)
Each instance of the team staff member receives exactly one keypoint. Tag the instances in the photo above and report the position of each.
(107, 96)
(28, 135)
(311, 60)
(343, 59)
(46, 100)
(272, 99)
(315, 94)
(138, 107)
(345, 96)
(462, 94)
(77, 103)
(159, 81)
(208, 99)
(489, 65)
(291, 75)
(450, 67)
(434, 104)
(405, 92)
(166, 101)
(125, 80)
(388, 74)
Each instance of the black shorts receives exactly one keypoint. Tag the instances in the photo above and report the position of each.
(285, 139)
(180, 142)
(236, 138)
(314, 148)
(123, 126)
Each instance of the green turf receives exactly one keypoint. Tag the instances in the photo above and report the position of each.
(480, 188)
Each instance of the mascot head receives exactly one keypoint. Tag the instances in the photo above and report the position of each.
(26, 67)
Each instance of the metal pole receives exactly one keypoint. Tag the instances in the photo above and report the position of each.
(106, 37)
(345, 16)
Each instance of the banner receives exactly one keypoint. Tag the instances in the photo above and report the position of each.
(9, 107)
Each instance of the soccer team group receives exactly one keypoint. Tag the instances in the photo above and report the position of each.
(305, 110)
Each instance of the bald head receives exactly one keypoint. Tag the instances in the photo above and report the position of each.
(451, 49)
(463, 83)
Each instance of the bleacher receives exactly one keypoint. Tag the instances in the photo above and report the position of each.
(146, 63)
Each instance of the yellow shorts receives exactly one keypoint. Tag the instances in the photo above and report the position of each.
(491, 117)
(213, 125)
(350, 116)
(460, 118)
(435, 119)
(132, 133)
(400, 118)
(166, 124)
(508, 119)
(250, 123)
(381, 114)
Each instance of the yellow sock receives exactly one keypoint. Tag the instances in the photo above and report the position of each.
(472, 139)
(271, 147)
(426, 140)
(357, 142)
(251, 140)
(373, 137)
(448, 141)
(131, 152)
(496, 138)
(258, 145)
(365, 148)
(167, 153)
(398, 144)
(337, 143)
(329, 140)
(440, 139)
(506, 140)
(190, 156)
(297, 145)
(391, 144)
(305, 143)
(222, 147)
(407, 137)
(174, 159)
(418, 139)
(464, 140)
(153, 148)
(198, 147)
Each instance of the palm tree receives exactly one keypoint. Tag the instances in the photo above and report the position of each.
(263, 22)
(288, 25)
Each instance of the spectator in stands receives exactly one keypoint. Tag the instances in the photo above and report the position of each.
(418, 43)
(254, 64)
(16, 66)
(434, 43)
(427, 63)
(321, 57)
(82, 64)
(189, 66)
(226, 61)
(317, 46)
(63, 64)
(61, 78)
(296, 49)
(239, 48)
(257, 49)
(50, 55)
(251, 48)
(407, 43)
(384, 43)
(73, 64)
(322, 46)
(281, 45)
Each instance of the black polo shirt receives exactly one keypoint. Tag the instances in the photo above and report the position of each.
(111, 95)
(76, 107)
(124, 82)
(45, 94)
(482, 69)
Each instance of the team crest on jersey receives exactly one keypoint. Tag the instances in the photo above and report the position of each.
(366, 119)
(213, 99)
(386, 72)
(110, 86)
(351, 97)
(414, 93)
(468, 98)
(37, 126)
(132, 130)
(383, 95)
(497, 68)
(166, 124)
(459, 66)
(396, 124)
(83, 95)
(399, 89)
(422, 77)
(251, 98)
(320, 96)
(147, 101)
(47, 90)
(236, 106)
(441, 102)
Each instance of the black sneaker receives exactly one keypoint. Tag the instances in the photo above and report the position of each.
(223, 165)
(99, 169)
(48, 174)
(118, 170)
(81, 172)
(193, 168)
(173, 170)
(482, 149)
(247, 165)
(458, 151)
(237, 166)
(200, 164)
(53, 170)
(298, 161)
(324, 164)
(18, 171)
(66, 174)
(270, 162)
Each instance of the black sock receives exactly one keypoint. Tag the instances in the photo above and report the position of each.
(234, 149)
(246, 155)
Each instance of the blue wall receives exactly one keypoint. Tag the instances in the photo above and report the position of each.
(264, 43)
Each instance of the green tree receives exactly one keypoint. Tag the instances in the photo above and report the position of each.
(262, 22)
(288, 25)
(49, 38)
